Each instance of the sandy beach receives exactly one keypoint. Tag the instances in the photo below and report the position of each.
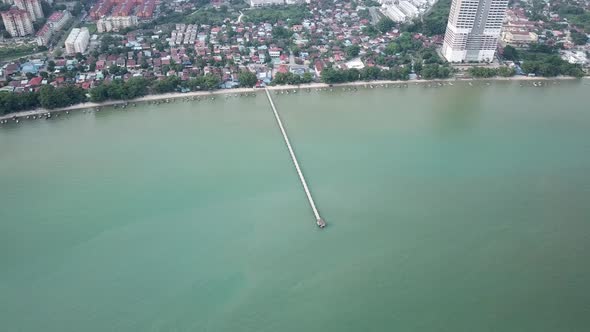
(198, 94)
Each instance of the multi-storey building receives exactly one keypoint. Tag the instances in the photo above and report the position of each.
(77, 41)
(115, 23)
(55, 22)
(473, 30)
(262, 3)
(146, 9)
(33, 7)
(123, 8)
(17, 22)
(101, 8)
(44, 35)
(59, 19)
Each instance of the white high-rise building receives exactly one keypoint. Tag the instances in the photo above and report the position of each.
(473, 30)
(33, 7)
(17, 22)
(77, 41)
(115, 23)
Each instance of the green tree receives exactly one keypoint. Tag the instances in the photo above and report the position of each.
(353, 51)
(510, 53)
(46, 8)
(281, 33)
(307, 77)
(135, 87)
(168, 84)
(330, 75)
(385, 24)
(247, 79)
(117, 71)
(15, 102)
(48, 97)
(435, 21)
(77, 9)
(506, 71)
(431, 71)
(99, 93)
(578, 38)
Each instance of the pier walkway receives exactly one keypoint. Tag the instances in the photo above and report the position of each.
(320, 222)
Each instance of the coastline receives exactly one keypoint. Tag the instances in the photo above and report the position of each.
(195, 94)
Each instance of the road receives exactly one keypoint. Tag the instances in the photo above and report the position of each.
(62, 40)
(57, 45)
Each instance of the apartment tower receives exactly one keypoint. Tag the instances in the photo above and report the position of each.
(473, 30)
(17, 22)
(77, 41)
(33, 7)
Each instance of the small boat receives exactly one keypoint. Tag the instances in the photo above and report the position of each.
(321, 223)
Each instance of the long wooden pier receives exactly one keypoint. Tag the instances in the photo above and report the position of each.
(319, 221)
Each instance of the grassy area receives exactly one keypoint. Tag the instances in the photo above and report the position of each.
(7, 53)
(272, 14)
(434, 21)
(91, 27)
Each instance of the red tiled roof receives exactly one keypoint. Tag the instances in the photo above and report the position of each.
(35, 81)
(283, 69)
(55, 17)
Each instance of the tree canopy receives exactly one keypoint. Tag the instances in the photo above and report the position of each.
(247, 79)
(331, 75)
(434, 22)
(290, 78)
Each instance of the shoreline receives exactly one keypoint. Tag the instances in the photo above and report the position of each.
(195, 94)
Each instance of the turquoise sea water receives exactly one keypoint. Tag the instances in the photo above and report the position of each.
(449, 209)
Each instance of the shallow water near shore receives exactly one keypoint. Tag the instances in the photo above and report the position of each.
(460, 208)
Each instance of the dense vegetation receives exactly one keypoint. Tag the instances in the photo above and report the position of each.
(16, 51)
(50, 97)
(15, 102)
(434, 22)
(247, 79)
(579, 38)
(433, 70)
(575, 14)
(542, 60)
(116, 90)
(330, 75)
(384, 25)
(407, 51)
(290, 78)
(491, 72)
(293, 14)
(206, 15)
(405, 44)
(47, 97)
(551, 66)
(137, 87)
